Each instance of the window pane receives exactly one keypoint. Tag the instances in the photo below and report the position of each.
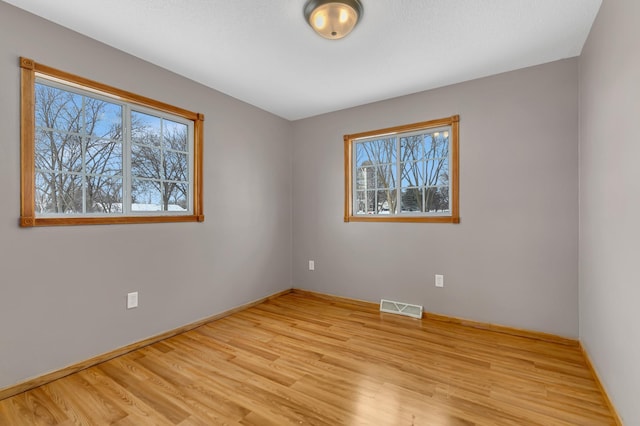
(376, 202)
(174, 135)
(437, 144)
(57, 109)
(146, 195)
(386, 202)
(58, 193)
(365, 178)
(381, 151)
(177, 196)
(145, 128)
(413, 174)
(412, 148)
(361, 202)
(437, 199)
(175, 166)
(437, 172)
(103, 158)
(412, 201)
(102, 119)
(158, 196)
(56, 151)
(146, 162)
(104, 194)
(386, 176)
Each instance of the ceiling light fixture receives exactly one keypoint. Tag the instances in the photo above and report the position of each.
(333, 19)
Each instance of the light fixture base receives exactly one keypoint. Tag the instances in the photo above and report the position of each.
(333, 19)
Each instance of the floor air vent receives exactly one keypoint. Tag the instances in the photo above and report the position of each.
(392, 307)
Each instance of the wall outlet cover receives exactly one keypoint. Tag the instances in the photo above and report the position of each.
(132, 300)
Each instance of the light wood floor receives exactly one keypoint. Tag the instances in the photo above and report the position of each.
(303, 360)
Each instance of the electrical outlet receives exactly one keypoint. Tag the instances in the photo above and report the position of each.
(132, 300)
(439, 280)
(312, 265)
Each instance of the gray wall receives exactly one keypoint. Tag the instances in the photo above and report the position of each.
(610, 202)
(513, 260)
(63, 290)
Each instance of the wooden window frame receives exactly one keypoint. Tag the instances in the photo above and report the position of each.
(28, 218)
(454, 170)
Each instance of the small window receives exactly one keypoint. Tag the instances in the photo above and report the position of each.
(403, 174)
(92, 154)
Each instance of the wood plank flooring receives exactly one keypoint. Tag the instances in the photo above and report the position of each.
(304, 360)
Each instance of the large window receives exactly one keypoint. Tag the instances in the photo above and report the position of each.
(403, 174)
(92, 154)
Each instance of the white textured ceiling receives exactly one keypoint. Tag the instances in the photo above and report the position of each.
(264, 53)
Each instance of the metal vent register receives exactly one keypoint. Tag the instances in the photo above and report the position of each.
(406, 309)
